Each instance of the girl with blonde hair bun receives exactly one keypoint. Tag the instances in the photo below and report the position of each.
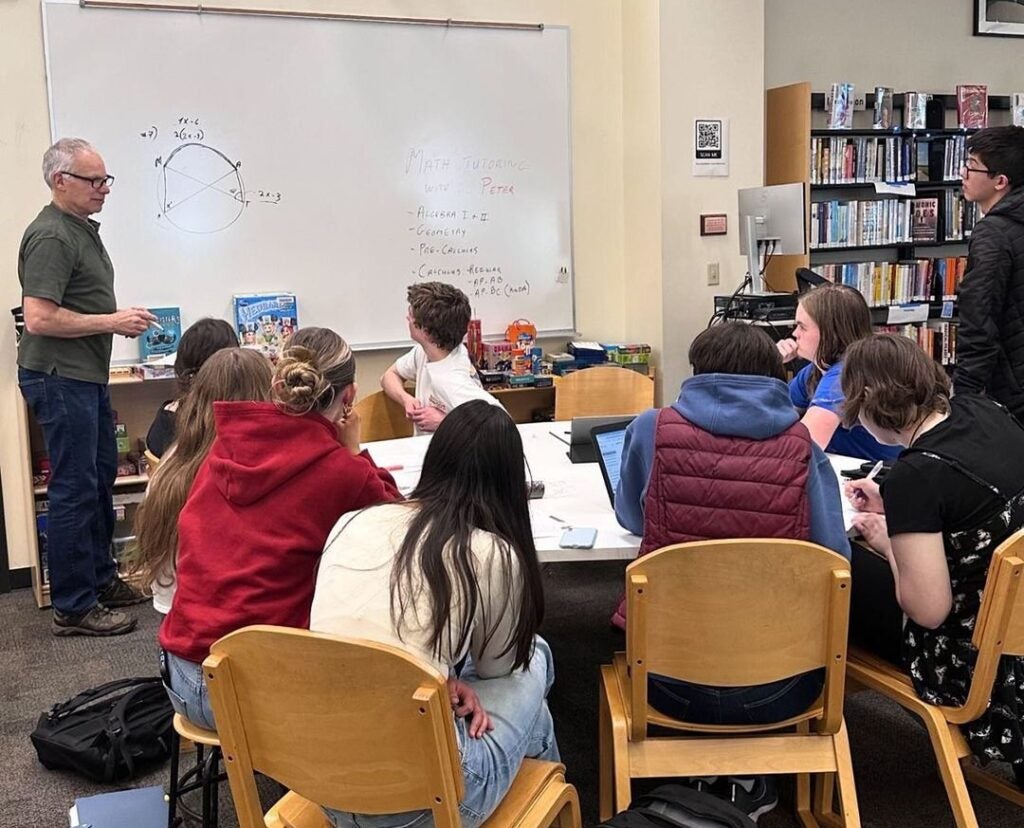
(278, 476)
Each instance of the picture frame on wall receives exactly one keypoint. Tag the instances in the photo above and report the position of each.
(999, 18)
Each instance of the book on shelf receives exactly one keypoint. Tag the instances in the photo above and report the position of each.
(860, 223)
(924, 222)
(840, 113)
(265, 320)
(915, 110)
(861, 159)
(882, 117)
(972, 105)
(161, 337)
(885, 283)
(1017, 108)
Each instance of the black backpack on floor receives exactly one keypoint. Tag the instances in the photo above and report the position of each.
(676, 806)
(109, 732)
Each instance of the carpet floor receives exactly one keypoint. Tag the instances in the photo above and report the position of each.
(897, 781)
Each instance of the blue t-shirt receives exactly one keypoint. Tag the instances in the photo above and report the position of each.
(854, 442)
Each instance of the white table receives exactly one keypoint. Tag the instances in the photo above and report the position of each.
(574, 493)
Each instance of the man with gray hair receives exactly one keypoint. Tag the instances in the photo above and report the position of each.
(71, 316)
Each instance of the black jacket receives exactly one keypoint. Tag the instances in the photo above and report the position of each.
(990, 339)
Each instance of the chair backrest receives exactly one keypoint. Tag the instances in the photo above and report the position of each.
(350, 724)
(604, 389)
(738, 612)
(999, 628)
(381, 418)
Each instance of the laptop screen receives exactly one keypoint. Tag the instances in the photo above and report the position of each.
(608, 441)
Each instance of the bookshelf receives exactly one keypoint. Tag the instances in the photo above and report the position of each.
(135, 402)
(861, 232)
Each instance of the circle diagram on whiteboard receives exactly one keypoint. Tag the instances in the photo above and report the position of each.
(201, 189)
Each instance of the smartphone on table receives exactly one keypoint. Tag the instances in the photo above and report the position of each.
(578, 537)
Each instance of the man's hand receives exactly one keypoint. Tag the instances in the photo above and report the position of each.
(787, 349)
(428, 418)
(130, 322)
(864, 495)
(348, 430)
(465, 702)
(873, 527)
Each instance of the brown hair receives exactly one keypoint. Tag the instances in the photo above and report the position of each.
(842, 317)
(736, 348)
(229, 374)
(202, 339)
(442, 311)
(890, 380)
(315, 367)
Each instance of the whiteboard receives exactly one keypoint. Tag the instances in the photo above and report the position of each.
(339, 160)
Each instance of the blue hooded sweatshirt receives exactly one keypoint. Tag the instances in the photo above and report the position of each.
(730, 405)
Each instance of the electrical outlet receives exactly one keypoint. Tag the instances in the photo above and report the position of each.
(713, 275)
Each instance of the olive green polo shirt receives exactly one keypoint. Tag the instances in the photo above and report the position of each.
(62, 259)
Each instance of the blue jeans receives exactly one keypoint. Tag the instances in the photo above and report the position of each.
(78, 426)
(517, 705)
(753, 705)
(186, 688)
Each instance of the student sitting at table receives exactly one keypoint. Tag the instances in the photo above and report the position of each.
(229, 374)
(251, 533)
(198, 343)
(955, 493)
(729, 459)
(452, 577)
(829, 319)
(439, 363)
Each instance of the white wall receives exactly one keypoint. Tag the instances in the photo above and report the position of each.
(910, 45)
(712, 65)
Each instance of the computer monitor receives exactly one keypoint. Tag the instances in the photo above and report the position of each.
(774, 220)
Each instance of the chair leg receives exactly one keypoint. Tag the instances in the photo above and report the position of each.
(172, 788)
(803, 790)
(991, 783)
(949, 765)
(845, 783)
(617, 791)
(606, 764)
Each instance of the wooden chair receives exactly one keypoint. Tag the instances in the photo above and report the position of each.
(999, 631)
(381, 418)
(730, 613)
(602, 390)
(353, 725)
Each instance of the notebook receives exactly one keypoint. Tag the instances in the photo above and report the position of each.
(581, 447)
(138, 807)
(607, 441)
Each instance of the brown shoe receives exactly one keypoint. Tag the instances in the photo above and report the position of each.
(119, 594)
(99, 621)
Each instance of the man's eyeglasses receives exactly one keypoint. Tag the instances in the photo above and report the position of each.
(97, 183)
(966, 170)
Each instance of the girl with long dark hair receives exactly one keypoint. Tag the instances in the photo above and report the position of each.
(452, 576)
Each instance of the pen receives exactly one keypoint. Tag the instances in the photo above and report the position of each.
(554, 517)
(396, 467)
(559, 438)
(157, 325)
(874, 470)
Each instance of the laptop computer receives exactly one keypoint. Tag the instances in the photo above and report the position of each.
(608, 441)
(581, 447)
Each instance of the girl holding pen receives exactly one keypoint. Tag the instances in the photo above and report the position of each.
(955, 493)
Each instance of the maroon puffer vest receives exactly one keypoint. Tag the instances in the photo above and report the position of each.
(705, 486)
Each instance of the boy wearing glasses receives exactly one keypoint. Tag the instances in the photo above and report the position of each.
(71, 315)
(990, 339)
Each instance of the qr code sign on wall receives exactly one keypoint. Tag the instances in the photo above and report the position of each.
(709, 140)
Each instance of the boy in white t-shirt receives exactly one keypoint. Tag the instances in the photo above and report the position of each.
(438, 362)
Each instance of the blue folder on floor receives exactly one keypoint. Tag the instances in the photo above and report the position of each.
(138, 808)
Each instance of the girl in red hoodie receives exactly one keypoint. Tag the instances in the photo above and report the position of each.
(277, 478)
